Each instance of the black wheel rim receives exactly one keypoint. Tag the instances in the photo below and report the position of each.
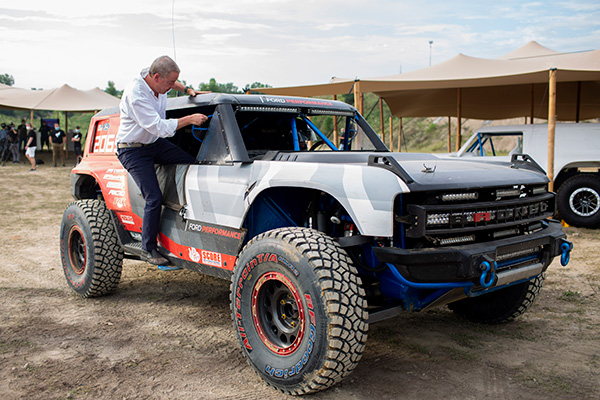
(585, 202)
(77, 250)
(278, 313)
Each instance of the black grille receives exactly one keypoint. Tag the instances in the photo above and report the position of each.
(474, 217)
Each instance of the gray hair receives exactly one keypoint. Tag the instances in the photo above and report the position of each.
(163, 66)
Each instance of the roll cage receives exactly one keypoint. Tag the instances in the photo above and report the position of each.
(243, 133)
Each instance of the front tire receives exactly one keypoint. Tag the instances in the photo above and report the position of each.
(579, 201)
(91, 255)
(298, 309)
(501, 306)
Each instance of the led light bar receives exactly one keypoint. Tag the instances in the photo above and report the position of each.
(505, 233)
(438, 219)
(516, 254)
(500, 193)
(316, 111)
(269, 109)
(456, 240)
(460, 196)
(539, 190)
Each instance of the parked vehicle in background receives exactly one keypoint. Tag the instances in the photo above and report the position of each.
(318, 239)
(576, 162)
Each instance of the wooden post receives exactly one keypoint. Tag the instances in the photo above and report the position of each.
(31, 119)
(458, 118)
(381, 120)
(336, 135)
(449, 134)
(551, 125)
(358, 98)
(532, 105)
(578, 101)
(67, 134)
(391, 133)
(399, 134)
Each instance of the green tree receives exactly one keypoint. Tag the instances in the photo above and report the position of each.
(214, 86)
(255, 85)
(110, 89)
(7, 79)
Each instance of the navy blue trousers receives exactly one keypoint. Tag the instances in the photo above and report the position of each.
(139, 162)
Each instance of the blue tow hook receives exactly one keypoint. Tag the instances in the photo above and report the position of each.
(566, 248)
(487, 268)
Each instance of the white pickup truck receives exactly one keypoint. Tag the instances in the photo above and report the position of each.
(576, 162)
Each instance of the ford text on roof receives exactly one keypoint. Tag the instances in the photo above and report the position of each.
(318, 239)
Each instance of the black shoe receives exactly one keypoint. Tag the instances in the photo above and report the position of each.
(154, 257)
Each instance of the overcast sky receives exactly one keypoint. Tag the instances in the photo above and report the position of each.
(46, 43)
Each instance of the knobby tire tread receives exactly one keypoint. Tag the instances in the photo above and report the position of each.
(341, 286)
(108, 254)
(525, 300)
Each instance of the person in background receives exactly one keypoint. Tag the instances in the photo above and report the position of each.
(57, 137)
(76, 139)
(22, 131)
(45, 137)
(31, 146)
(3, 141)
(13, 147)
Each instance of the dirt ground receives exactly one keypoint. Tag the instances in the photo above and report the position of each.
(169, 335)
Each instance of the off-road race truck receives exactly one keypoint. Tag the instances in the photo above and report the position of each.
(318, 239)
(576, 162)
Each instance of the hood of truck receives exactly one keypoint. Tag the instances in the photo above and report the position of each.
(434, 172)
(430, 172)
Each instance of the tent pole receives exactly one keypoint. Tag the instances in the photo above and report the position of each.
(31, 119)
(358, 104)
(531, 110)
(578, 101)
(458, 118)
(399, 134)
(381, 120)
(449, 134)
(66, 135)
(391, 133)
(336, 135)
(551, 125)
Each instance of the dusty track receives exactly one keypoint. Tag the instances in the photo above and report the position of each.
(168, 335)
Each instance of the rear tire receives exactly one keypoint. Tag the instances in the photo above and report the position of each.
(91, 255)
(579, 201)
(501, 306)
(298, 309)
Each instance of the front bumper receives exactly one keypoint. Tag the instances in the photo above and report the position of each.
(508, 259)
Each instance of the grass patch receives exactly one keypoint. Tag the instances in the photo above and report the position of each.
(11, 345)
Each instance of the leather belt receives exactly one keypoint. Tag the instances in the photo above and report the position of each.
(131, 145)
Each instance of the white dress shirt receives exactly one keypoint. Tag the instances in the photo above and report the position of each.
(143, 114)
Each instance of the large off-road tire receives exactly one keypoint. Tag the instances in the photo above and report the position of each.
(579, 201)
(501, 306)
(92, 257)
(298, 309)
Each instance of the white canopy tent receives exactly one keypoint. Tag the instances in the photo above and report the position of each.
(64, 98)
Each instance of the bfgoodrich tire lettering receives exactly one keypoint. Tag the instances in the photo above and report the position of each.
(298, 309)
(501, 306)
(92, 257)
(579, 201)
